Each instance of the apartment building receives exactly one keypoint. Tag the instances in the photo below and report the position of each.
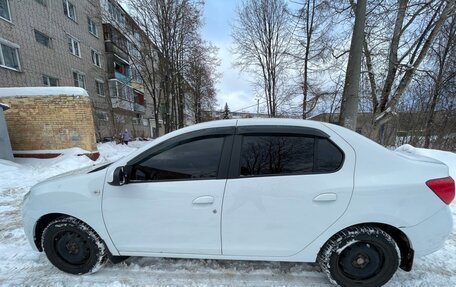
(131, 105)
(56, 43)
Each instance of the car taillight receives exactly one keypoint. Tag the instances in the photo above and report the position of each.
(443, 188)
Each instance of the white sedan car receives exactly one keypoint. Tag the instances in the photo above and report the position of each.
(253, 189)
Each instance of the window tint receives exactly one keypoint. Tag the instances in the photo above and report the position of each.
(329, 157)
(276, 154)
(196, 159)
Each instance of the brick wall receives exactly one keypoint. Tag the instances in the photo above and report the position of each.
(50, 122)
(56, 60)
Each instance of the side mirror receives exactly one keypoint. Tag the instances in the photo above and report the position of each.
(118, 177)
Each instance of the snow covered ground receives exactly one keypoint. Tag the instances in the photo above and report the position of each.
(20, 266)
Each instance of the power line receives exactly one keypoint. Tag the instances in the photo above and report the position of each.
(260, 103)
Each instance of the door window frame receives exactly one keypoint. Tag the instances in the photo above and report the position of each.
(222, 173)
(293, 131)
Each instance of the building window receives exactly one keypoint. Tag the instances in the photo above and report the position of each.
(9, 56)
(4, 10)
(120, 68)
(42, 39)
(100, 88)
(102, 116)
(92, 27)
(69, 9)
(120, 119)
(116, 13)
(50, 81)
(96, 58)
(79, 79)
(42, 2)
(74, 46)
(136, 76)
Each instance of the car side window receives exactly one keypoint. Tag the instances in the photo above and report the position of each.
(329, 157)
(195, 159)
(276, 154)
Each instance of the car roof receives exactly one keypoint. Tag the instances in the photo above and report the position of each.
(232, 123)
(257, 121)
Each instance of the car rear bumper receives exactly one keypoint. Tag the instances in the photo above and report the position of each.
(430, 235)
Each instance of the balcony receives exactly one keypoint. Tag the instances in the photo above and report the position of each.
(115, 42)
(121, 77)
(121, 95)
(139, 108)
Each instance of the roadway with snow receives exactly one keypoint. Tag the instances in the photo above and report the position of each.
(20, 266)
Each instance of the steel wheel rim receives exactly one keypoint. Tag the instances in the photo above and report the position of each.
(72, 247)
(361, 261)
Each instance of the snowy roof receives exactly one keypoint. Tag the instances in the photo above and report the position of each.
(42, 91)
(4, 106)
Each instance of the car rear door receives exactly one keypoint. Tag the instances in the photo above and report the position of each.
(286, 186)
(173, 199)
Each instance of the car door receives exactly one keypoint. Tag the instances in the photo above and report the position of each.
(287, 185)
(172, 201)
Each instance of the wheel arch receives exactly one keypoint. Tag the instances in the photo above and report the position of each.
(44, 221)
(401, 239)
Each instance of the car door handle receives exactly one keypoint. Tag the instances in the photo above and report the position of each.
(204, 200)
(326, 197)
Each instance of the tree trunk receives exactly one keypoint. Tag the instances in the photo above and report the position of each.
(349, 108)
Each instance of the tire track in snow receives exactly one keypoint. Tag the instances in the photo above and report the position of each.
(170, 272)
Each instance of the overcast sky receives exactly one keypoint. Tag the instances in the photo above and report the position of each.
(233, 87)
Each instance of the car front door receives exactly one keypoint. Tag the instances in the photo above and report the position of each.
(286, 186)
(172, 200)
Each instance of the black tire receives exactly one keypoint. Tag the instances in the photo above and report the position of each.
(360, 256)
(73, 247)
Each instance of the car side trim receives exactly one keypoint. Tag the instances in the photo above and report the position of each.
(276, 129)
(180, 138)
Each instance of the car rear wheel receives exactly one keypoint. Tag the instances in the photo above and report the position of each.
(72, 246)
(361, 256)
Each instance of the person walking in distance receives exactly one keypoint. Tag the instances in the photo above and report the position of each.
(125, 137)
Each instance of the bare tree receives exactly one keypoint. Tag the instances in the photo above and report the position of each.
(392, 61)
(171, 30)
(443, 55)
(350, 98)
(261, 38)
(201, 76)
(311, 48)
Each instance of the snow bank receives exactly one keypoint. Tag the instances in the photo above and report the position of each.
(111, 151)
(4, 106)
(42, 91)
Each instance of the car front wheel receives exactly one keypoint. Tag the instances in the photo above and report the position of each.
(73, 247)
(361, 256)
